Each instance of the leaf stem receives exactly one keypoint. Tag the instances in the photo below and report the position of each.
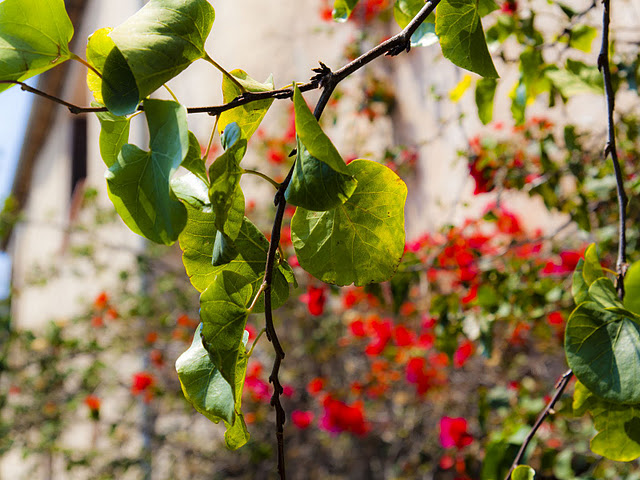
(255, 299)
(213, 132)
(171, 92)
(255, 342)
(263, 176)
(233, 79)
(77, 58)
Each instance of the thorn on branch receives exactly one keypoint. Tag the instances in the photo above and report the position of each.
(323, 73)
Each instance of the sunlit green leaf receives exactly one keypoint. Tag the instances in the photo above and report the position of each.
(114, 134)
(224, 311)
(360, 241)
(632, 288)
(603, 292)
(591, 269)
(404, 11)
(138, 182)
(618, 426)
(575, 79)
(603, 348)
(197, 242)
(34, 37)
(523, 472)
(342, 9)
(320, 178)
(461, 36)
(485, 92)
(151, 47)
(249, 116)
(582, 37)
(99, 45)
(193, 191)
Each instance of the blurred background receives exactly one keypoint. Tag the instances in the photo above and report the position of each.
(437, 373)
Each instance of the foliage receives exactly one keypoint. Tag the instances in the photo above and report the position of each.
(492, 283)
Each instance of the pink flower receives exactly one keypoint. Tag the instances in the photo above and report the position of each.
(453, 433)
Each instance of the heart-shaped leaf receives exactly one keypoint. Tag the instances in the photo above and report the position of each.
(603, 348)
(114, 134)
(193, 161)
(34, 37)
(320, 180)
(249, 116)
(618, 426)
(360, 241)
(197, 242)
(459, 29)
(150, 48)
(224, 311)
(138, 182)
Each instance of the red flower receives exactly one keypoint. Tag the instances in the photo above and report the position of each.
(143, 382)
(185, 321)
(340, 417)
(101, 301)
(568, 262)
(357, 328)
(383, 331)
(315, 299)
(97, 321)
(463, 353)
(258, 389)
(157, 357)
(301, 419)
(93, 402)
(403, 336)
(471, 296)
(152, 337)
(453, 433)
(555, 318)
(509, 7)
(276, 156)
(315, 386)
(112, 313)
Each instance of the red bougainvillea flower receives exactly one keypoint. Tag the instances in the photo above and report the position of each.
(568, 261)
(97, 321)
(301, 419)
(555, 318)
(453, 433)
(157, 357)
(509, 7)
(142, 383)
(276, 156)
(340, 417)
(471, 295)
(462, 354)
(403, 337)
(92, 401)
(152, 337)
(315, 299)
(258, 389)
(112, 313)
(185, 321)
(315, 386)
(358, 328)
(101, 301)
(383, 331)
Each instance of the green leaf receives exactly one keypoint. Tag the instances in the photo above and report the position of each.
(249, 116)
(138, 182)
(223, 249)
(579, 288)
(360, 241)
(197, 241)
(582, 37)
(193, 161)
(150, 48)
(404, 11)
(632, 288)
(203, 385)
(210, 394)
(523, 472)
(99, 45)
(225, 174)
(576, 79)
(193, 191)
(604, 293)
(485, 92)
(34, 37)
(603, 348)
(223, 310)
(342, 9)
(114, 134)
(485, 7)
(591, 269)
(320, 180)
(618, 425)
(461, 36)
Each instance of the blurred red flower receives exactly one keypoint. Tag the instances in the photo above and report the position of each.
(340, 417)
(301, 419)
(453, 433)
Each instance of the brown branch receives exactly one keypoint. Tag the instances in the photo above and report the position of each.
(328, 80)
(610, 150)
(560, 387)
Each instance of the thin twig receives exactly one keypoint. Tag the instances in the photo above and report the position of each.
(560, 387)
(610, 149)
